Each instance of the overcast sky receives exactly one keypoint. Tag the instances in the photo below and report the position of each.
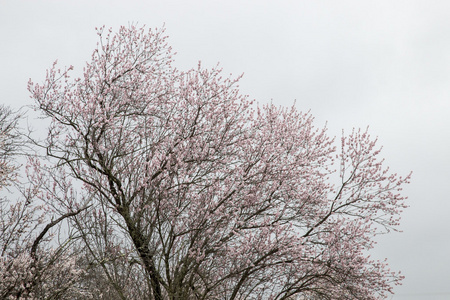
(382, 64)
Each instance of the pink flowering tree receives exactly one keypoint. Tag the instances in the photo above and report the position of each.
(33, 265)
(209, 195)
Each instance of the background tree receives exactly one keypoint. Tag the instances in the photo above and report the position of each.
(33, 265)
(204, 193)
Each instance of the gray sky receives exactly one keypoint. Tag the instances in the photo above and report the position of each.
(385, 64)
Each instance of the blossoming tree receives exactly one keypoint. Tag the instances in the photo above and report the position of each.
(32, 264)
(207, 194)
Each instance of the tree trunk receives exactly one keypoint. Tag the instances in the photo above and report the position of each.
(141, 245)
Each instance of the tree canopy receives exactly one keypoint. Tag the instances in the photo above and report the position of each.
(157, 183)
